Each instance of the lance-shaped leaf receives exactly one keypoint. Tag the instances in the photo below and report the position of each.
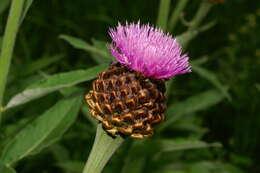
(171, 145)
(212, 78)
(54, 83)
(99, 50)
(42, 131)
(193, 104)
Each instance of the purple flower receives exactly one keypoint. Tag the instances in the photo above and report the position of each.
(148, 50)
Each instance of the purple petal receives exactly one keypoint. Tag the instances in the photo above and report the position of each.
(148, 50)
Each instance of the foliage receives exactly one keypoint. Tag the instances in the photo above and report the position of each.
(213, 113)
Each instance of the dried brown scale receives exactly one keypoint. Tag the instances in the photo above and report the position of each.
(126, 102)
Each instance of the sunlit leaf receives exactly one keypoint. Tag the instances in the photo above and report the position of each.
(41, 131)
(54, 83)
(193, 104)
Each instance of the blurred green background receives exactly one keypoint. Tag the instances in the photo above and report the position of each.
(213, 120)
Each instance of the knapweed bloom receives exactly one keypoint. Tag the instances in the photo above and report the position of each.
(128, 98)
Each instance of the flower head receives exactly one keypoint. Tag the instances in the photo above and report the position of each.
(148, 50)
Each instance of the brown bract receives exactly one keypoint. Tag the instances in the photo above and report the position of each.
(126, 102)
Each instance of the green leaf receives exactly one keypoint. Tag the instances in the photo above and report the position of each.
(26, 7)
(212, 78)
(232, 168)
(41, 131)
(163, 14)
(102, 55)
(135, 165)
(193, 104)
(1, 40)
(57, 133)
(171, 145)
(54, 83)
(59, 152)
(72, 166)
(136, 156)
(169, 85)
(4, 4)
(34, 66)
(208, 167)
(101, 45)
(258, 86)
(6, 169)
(86, 112)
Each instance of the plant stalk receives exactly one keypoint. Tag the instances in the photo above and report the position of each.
(163, 14)
(102, 150)
(176, 14)
(9, 38)
(185, 38)
(202, 12)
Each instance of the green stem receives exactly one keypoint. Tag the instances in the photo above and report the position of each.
(176, 14)
(193, 30)
(202, 12)
(8, 43)
(163, 14)
(103, 148)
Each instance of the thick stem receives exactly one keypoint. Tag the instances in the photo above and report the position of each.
(163, 14)
(8, 43)
(103, 148)
(176, 14)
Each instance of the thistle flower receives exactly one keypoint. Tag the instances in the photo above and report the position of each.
(128, 98)
(148, 50)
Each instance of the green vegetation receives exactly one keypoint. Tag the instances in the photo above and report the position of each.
(213, 117)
